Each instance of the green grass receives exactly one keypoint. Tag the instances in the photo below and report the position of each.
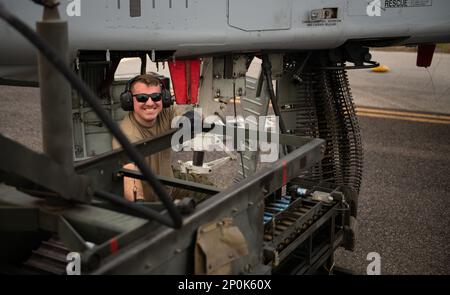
(445, 48)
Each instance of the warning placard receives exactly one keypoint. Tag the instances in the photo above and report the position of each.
(407, 3)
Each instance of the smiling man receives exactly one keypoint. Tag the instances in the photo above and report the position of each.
(146, 119)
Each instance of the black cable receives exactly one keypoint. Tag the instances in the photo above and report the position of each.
(259, 85)
(53, 57)
(135, 209)
(236, 125)
(267, 71)
(300, 68)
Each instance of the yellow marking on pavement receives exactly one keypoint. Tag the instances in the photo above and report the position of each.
(401, 114)
(381, 69)
(404, 118)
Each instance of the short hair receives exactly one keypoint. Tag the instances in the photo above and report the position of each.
(147, 79)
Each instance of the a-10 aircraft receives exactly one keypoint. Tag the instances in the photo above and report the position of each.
(289, 217)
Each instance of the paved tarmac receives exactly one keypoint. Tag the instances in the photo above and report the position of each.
(404, 205)
(405, 86)
(404, 202)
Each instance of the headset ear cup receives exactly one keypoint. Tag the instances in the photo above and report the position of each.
(166, 98)
(126, 101)
(126, 97)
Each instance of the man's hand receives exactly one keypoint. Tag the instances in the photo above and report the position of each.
(196, 122)
(195, 118)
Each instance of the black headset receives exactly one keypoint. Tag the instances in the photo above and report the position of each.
(126, 97)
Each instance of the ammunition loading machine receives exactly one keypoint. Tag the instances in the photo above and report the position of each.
(299, 237)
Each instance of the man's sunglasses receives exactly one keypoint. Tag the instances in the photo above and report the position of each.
(143, 97)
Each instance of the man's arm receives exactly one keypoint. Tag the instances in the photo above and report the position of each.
(132, 188)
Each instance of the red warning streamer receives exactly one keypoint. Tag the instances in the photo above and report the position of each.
(113, 245)
(185, 76)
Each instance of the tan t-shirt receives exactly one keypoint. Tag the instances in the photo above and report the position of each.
(160, 163)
